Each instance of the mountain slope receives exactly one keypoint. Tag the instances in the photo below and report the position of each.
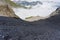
(6, 10)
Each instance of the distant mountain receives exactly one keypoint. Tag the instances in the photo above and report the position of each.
(26, 3)
(29, 4)
(35, 8)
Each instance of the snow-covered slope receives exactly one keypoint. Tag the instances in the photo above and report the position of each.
(44, 9)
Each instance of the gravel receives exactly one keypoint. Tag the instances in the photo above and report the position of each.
(17, 29)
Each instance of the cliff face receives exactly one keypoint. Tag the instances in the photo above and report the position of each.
(5, 10)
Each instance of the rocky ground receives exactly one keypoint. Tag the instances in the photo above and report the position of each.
(16, 29)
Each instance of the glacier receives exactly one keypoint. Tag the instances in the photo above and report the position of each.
(41, 8)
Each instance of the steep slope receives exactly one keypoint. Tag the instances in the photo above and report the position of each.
(5, 10)
(56, 12)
